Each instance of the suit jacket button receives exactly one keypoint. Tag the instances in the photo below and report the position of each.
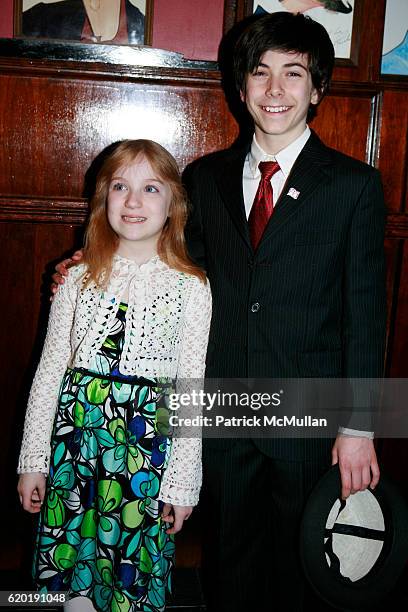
(255, 307)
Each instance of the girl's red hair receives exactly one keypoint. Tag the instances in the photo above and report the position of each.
(101, 242)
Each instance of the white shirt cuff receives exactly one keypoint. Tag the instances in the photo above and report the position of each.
(356, 433)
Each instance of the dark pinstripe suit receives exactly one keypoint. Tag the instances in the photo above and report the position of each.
(318, 277)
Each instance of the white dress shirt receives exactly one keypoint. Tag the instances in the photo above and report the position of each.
(285, 158)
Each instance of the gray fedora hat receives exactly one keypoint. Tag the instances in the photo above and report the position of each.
(354, 551)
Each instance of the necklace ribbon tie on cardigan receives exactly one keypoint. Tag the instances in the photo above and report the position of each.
(262, 207)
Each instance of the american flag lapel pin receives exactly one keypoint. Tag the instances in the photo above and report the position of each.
(293, 193)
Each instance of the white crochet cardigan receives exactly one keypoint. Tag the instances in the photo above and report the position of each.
(166, 334)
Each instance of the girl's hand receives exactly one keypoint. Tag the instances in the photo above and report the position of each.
(62, 270)
(176, 515)
(31, 490)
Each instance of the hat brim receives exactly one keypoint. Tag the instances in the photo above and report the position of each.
(383, 576)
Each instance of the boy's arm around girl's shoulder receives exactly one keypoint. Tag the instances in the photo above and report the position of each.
(43, 398)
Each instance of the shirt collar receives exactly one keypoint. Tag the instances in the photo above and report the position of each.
(285, 158)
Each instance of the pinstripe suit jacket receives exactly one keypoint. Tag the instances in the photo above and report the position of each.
(317, 275)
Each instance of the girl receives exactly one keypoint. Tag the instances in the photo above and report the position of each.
(133, 315)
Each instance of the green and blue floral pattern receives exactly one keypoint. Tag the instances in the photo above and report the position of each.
(100, 533)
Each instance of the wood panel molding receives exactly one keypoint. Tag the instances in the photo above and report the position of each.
(79, 61)
(43, 210)
(75, 211)
(397, 226)
(76, 60)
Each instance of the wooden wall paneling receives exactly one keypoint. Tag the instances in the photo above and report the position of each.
(397, 225)
(27, 250)
(55, 127)
(18, 309)
(43, 210)
(346, 120)
(38, 125)
(399, 355)
(393, 254)
(393, 453)
(393, 160)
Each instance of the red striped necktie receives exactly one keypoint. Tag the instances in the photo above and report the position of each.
(262, 207)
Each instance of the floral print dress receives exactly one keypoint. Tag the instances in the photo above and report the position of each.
(100, 533)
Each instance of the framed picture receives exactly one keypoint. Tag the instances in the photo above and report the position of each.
(341, 18)
(121, 22)
(394, 61)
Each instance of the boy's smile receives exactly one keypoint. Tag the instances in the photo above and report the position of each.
(278, 95)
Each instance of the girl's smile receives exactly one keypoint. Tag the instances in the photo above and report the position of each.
(128, 219)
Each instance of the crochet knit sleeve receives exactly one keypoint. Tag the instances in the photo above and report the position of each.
(43, 398)
(181, 482)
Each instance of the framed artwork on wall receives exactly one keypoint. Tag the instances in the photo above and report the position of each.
(394, 61)
(341, 18)
(121, 22)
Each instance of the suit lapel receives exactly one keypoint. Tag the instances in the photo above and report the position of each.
(308, 173)
(229, 182)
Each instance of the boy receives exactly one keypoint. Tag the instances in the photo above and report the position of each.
(294, 254)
